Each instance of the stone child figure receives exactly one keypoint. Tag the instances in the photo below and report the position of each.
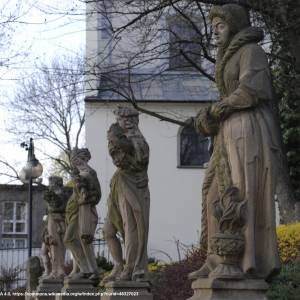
(82, 217)
(129, 199)
(56, 197)
(239, 187)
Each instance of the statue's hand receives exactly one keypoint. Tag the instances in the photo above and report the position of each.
(87, 238)
(81, 182)
(219, 111)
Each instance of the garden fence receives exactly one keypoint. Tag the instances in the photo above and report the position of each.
(13, 264)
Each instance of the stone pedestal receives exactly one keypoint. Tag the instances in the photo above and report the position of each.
(127, 290)
(50, 287)
(75, 289)
(217, 289)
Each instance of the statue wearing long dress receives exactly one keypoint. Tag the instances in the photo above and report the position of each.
(129, 199)
(82, 217)
(238, 213)
(56, 197)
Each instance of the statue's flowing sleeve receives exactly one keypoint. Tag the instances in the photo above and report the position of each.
(205, 123)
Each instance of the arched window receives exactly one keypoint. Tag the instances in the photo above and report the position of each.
(193, 148)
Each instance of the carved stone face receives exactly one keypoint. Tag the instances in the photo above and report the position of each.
(77, 162)
(55, 182)
(80, 157)
(127, 122)
(221, 31)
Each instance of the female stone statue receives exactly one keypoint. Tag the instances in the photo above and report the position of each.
(239, 188)
(82, 217)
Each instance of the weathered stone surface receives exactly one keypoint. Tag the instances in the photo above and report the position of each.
(48, 286)
(216, 289)
(129, 290)
(238, 215)
(82, 217)
(33, 272)
(53, 248)
(84, 285)
(75, 289)
(129, 199)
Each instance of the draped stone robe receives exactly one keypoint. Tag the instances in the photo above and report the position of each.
(246, 152)
(129, 199)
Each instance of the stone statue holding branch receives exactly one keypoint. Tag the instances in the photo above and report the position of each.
(238, 214)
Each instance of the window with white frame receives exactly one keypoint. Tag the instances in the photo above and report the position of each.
(14, 218)
(193, 148)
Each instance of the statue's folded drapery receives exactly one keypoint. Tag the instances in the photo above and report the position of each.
(247, 152)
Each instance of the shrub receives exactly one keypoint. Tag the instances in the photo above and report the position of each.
(289, 242)
(170, 281)
(286, 286)
(7, 277)
(104, 264)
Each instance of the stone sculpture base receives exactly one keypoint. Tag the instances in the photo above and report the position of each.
(82, 289)
(217, 289)
(49, 286)
(127, 290)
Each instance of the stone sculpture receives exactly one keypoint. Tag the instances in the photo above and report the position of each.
(82, 217)
(129, 199)
(238, 213)
(56, 197)
(33, 271)
(45, 249)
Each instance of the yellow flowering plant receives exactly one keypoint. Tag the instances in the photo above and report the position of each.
(289, 242)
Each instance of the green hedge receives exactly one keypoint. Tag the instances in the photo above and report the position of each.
(286, 286)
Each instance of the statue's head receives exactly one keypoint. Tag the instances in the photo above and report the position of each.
(79, 157)
(55, 182)
(127, 117)
(227, 20)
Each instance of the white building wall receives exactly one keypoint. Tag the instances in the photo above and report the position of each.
(175, 193)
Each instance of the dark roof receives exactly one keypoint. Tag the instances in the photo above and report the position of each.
(20, 187)
(166, 87)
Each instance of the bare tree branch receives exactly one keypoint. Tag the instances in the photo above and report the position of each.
(48, 105)
(8, 170)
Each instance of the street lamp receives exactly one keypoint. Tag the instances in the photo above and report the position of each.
(33, 169)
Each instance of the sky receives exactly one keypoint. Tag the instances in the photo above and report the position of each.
(43, 29)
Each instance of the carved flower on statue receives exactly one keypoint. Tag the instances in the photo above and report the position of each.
(231, 215)
(230, 211)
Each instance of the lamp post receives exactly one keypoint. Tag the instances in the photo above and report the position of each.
(33, 169)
